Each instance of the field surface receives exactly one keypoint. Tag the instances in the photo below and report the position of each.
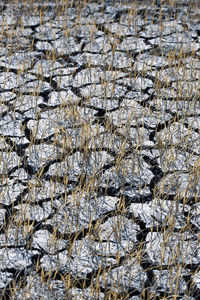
(99, 150)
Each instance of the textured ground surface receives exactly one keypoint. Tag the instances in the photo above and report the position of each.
(99, 145)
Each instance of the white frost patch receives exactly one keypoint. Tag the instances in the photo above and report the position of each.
(7, 96)
(52, 262)
(43, 239)
(46, 67)
(121, 29)
(78, 211)
(136, 115)
(196, 279)
(32, 212)
(193, 122)
(19, 174)
(177, 160)
(98, 45)
(41, 128)
(180, 184)
(159, 212)
(87, 293)
(41, 189)
(42, 154)
(35, 87)
(195, 215)
(14, 237)
(88, 76)
(108, 90)
(172, 248)
(178, 134)
(118, 230)
(10, 80)
(2, 216)
(170, 281)
(119, 60)
(16, 258)
(18, 60)
(66, 45)
(129, 275)
(133, 171)
(8, 161)
(9, 190)
(62, 98)
(5, 278)
(103, 103)
(133, 44)
(78, 163)
(10, 125)
(44, 32)
(26, 102)
(84, 261)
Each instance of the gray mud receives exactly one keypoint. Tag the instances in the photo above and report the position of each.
(100, 150)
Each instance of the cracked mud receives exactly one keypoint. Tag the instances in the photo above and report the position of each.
(100, 150)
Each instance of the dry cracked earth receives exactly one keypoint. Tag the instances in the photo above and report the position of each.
(100, 150)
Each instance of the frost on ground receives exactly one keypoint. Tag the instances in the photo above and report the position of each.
(99, 150)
